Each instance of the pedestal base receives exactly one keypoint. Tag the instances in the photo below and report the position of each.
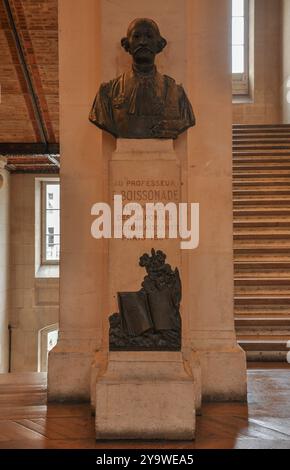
(145, 395)
(69, 370)
(223, 374)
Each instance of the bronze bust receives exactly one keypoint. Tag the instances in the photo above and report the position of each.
(142, 103)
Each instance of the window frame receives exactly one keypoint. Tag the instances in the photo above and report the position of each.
(43, 260)
(241, 81)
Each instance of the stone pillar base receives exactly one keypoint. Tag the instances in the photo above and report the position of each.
(69, 370)
(145, 395)
(223, 374)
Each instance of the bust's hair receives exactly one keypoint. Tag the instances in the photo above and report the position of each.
(161, 41)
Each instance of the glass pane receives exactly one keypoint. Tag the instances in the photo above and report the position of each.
(52, 196)
(238, 7)
(52, 337)
(238, 59)
(52, 223)
(238, 31)
(52, 247)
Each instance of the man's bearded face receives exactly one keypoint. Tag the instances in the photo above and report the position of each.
(143, 43)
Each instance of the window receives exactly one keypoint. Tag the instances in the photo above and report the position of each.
(52, 337)
(47, 340)
(240, 46)
(50, 222)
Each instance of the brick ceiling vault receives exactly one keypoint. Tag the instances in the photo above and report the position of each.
(29, 73)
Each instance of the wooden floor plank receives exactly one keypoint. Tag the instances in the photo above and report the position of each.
(262, 423)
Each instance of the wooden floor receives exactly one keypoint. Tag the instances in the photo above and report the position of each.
(263, 423)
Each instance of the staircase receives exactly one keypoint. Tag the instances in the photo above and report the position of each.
(261, 193)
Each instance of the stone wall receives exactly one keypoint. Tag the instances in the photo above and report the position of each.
(264, 106)
(4, 260)
(33, 300)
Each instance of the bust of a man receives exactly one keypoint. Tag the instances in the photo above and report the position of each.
(142, 103)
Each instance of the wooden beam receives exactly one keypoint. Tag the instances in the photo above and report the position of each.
(29, 149)
(32, 169)
(28, 160)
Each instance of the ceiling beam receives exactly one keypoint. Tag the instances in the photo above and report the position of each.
(32, 148)
(26, 73)
(32, 169)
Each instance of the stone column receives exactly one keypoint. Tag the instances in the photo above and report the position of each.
(83, 183)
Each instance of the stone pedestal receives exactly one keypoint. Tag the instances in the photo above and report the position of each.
(145, 395)
(141, 171)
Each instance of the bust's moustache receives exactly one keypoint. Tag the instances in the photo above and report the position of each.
(143, 49)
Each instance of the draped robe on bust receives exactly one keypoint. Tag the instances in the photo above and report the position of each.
(142, 106)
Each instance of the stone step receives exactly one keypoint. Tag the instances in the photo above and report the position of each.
(264, 344)
(266, 234)
(261, 139)
(261, 173)
(260, 166)
(262, 300)
(265, 153)
(272, 350)
(245, 181)
(269, 312)
(253, 259)
(261, 126)
(263, 268)
(265, 290)
(263, 201)
(261, 147)
(261, 142)
(263, 329)
(261, 275)
(246, 246)
(265, 338)
(261, 191)
(262, 134)
(261, 212)
(263, 323)
(274, 160)
(261, 223)
(262, 246)
(259, 184)
(244, 128)
(256, 249)
(257, 281)
(256, 254)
